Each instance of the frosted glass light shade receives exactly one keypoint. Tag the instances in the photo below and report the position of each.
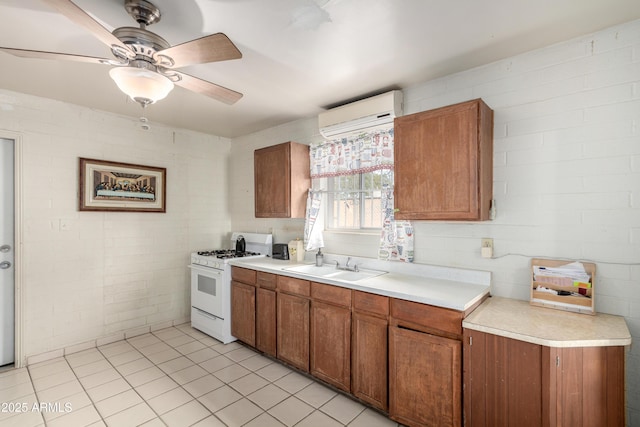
(142, 85)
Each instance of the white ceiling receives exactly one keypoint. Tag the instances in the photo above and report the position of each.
(299, 56)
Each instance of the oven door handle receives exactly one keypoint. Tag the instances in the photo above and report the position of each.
(204, 313)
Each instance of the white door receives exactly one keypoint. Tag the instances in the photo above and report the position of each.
(7, 285)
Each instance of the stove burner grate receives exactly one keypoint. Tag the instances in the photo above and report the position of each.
(226, 253)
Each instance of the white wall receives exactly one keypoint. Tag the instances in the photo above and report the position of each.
(88, 275)
(566, 173)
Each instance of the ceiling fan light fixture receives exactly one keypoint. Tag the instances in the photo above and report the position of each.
(140, 84)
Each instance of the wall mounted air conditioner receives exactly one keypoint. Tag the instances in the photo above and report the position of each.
(377, 111)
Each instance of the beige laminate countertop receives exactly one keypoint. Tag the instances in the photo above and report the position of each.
(545, 326)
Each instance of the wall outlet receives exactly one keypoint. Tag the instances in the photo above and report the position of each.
(486, 247)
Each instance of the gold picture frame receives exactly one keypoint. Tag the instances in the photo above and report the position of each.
(121, 187)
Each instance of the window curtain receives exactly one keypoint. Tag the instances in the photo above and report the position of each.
(396, 240)
(356, 154)
(314, 222)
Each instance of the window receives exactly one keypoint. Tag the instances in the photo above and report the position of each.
(355, 201)
(356, 174)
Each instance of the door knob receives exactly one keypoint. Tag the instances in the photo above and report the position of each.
(5, 248)
(4, 265)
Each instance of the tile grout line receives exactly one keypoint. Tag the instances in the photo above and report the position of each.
(64, 356)
(237, 362)
(35, 393)
(181, 385)
(125, 380)
(195, 364)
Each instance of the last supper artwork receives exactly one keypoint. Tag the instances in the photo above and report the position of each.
(110, 185)
(114, 186)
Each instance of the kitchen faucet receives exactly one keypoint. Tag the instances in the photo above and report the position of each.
(346, 266)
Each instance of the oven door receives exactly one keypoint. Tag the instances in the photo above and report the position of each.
(207, 290)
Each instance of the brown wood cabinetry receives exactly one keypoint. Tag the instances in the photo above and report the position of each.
(444, 163)
(583, 386)
(502, 381)
(243, 312)
(293, 306)
(402, 357)
(243, 305)
(369, 346)
(425, 364)
(266, 313)
(330, 343)
(510, 382)
(281, 178)
(424, 378)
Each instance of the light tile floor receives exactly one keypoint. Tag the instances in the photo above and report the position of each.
(173, 377)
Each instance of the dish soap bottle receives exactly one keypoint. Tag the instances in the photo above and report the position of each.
(319, 258)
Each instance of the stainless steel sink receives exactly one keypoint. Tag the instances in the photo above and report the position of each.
(334, 273)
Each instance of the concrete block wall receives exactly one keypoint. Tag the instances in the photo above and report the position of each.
(566, 173)
(89, 276)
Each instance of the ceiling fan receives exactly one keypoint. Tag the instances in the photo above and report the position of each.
(145, 64)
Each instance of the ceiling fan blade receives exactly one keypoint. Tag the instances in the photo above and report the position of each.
(209, 89)
(82, 18)
(216, 47)
(24, 53)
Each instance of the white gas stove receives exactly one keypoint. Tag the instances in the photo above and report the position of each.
(211, 283)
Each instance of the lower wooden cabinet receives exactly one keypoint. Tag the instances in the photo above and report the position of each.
(331, 344)
(583, 386)
(266, 321)
(293, 330)
(243, 312)
(401, 357)
(369, 359)
(508, 382)
(502, 381)
(425, 378)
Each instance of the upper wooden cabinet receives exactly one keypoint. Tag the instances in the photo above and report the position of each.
(281, 174)
(444, 163)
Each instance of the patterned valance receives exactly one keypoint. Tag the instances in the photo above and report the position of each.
(354, 154)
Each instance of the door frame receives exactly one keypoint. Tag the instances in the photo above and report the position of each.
(19, 359)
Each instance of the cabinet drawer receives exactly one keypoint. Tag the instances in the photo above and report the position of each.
(371, 303)
(425, 317)
(243, 275)
(331, 294)
(266, 280)
(294, 286)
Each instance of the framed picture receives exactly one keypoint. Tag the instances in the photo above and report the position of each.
(124, 187)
